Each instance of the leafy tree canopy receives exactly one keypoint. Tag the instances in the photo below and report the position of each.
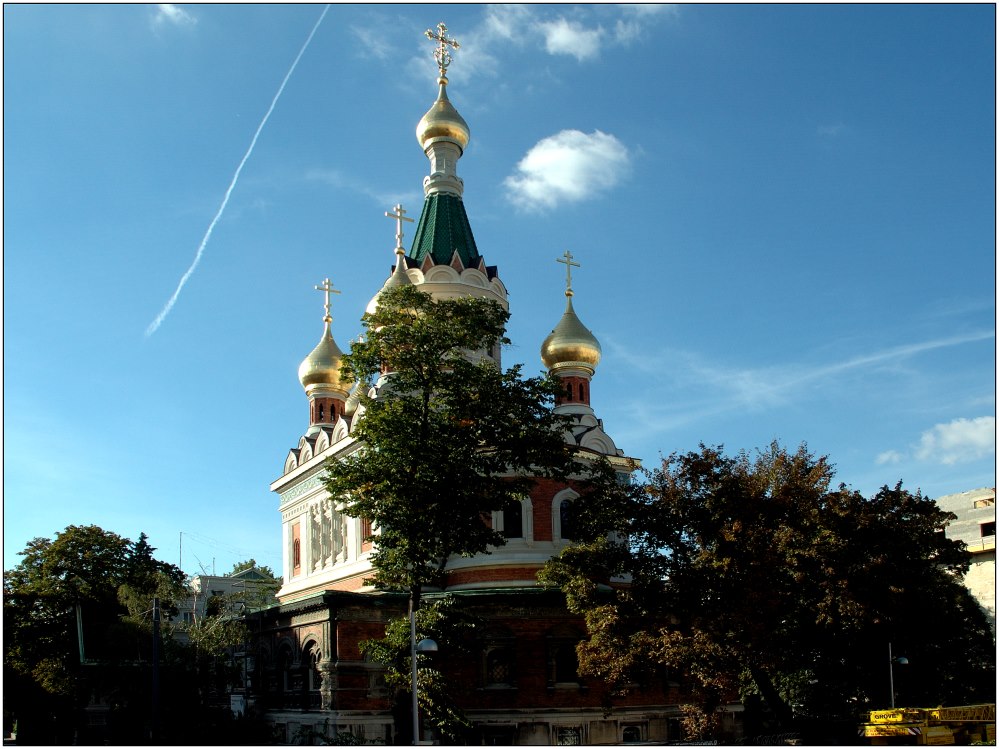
(106, 575)
(249, 564)
(755, 573)
(84, 581)
(443, 621)
(450, 438)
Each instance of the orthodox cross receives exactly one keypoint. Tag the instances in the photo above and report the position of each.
(569, 264)
(399, 216)
(441, 54)
(328, 288)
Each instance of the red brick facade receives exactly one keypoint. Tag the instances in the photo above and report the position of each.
(325, 410)
(514, 676)
(577, 390)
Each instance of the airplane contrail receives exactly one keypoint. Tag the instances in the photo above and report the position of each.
(155, 324)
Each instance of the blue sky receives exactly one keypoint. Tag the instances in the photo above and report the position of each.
(785, 217)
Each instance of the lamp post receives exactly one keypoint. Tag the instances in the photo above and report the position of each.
(902, 661)
(423, 646)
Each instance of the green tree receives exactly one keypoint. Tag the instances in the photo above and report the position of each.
(443, 621)
(76, 618)
(250, 564)
(211, 639)
(257, 592)
(450, 438)
(754, 575)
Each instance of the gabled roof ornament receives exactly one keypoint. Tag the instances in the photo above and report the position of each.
(399, 276)
(320, 370)
(570, 345)
(442, 121)
(442, 54)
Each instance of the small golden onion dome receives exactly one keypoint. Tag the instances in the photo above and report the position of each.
(442, 121)
(570, 344)
(353, 400)
(399, 277)
(321, 368)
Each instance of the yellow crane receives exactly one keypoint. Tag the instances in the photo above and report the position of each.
(931, 726)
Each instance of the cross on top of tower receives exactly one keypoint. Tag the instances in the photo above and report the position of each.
(328, 288)
(569, 265)
(442, 54)
(399, 216)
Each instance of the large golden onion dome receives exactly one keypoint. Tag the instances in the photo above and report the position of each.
(570, 344)
(442, 121)
(321, 368)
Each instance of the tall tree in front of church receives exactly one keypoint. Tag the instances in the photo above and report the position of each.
(449, 439)
(753, 578)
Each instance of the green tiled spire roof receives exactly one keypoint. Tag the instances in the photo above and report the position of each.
(442, 229)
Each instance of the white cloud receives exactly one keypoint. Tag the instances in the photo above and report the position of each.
(567, 167)
(374, 42)
(168, 13)
(637, 20)
(331, 177)
(627, 31)
(958, 441)
(646, 10)
(498, 42)
(762, 387)
(508, 21)
(830, 131)
(564, 37)
(889, 456)
(338, 181)
(712, 388)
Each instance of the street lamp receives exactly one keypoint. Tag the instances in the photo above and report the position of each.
(425, 645)
(900, 660)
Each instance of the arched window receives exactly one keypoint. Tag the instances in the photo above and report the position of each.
(321, 412)
(365, 535)
(498, 658)
(513, 520)
(568, 391)
(314, 678)
(565, 519)
(563, 663)
(499, 667)
(631, 735)
(284, 662)
(296, 554)
(582, 392)
(566, 663)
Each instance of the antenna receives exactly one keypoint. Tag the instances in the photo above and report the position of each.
(202, 566)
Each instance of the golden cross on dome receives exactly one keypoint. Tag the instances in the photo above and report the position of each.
(569, 264)
(399, 216)
(441, 54)
(328, 288)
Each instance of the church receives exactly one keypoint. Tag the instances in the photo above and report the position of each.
(521, 685)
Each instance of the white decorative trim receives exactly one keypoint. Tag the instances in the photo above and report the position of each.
(301, 488)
